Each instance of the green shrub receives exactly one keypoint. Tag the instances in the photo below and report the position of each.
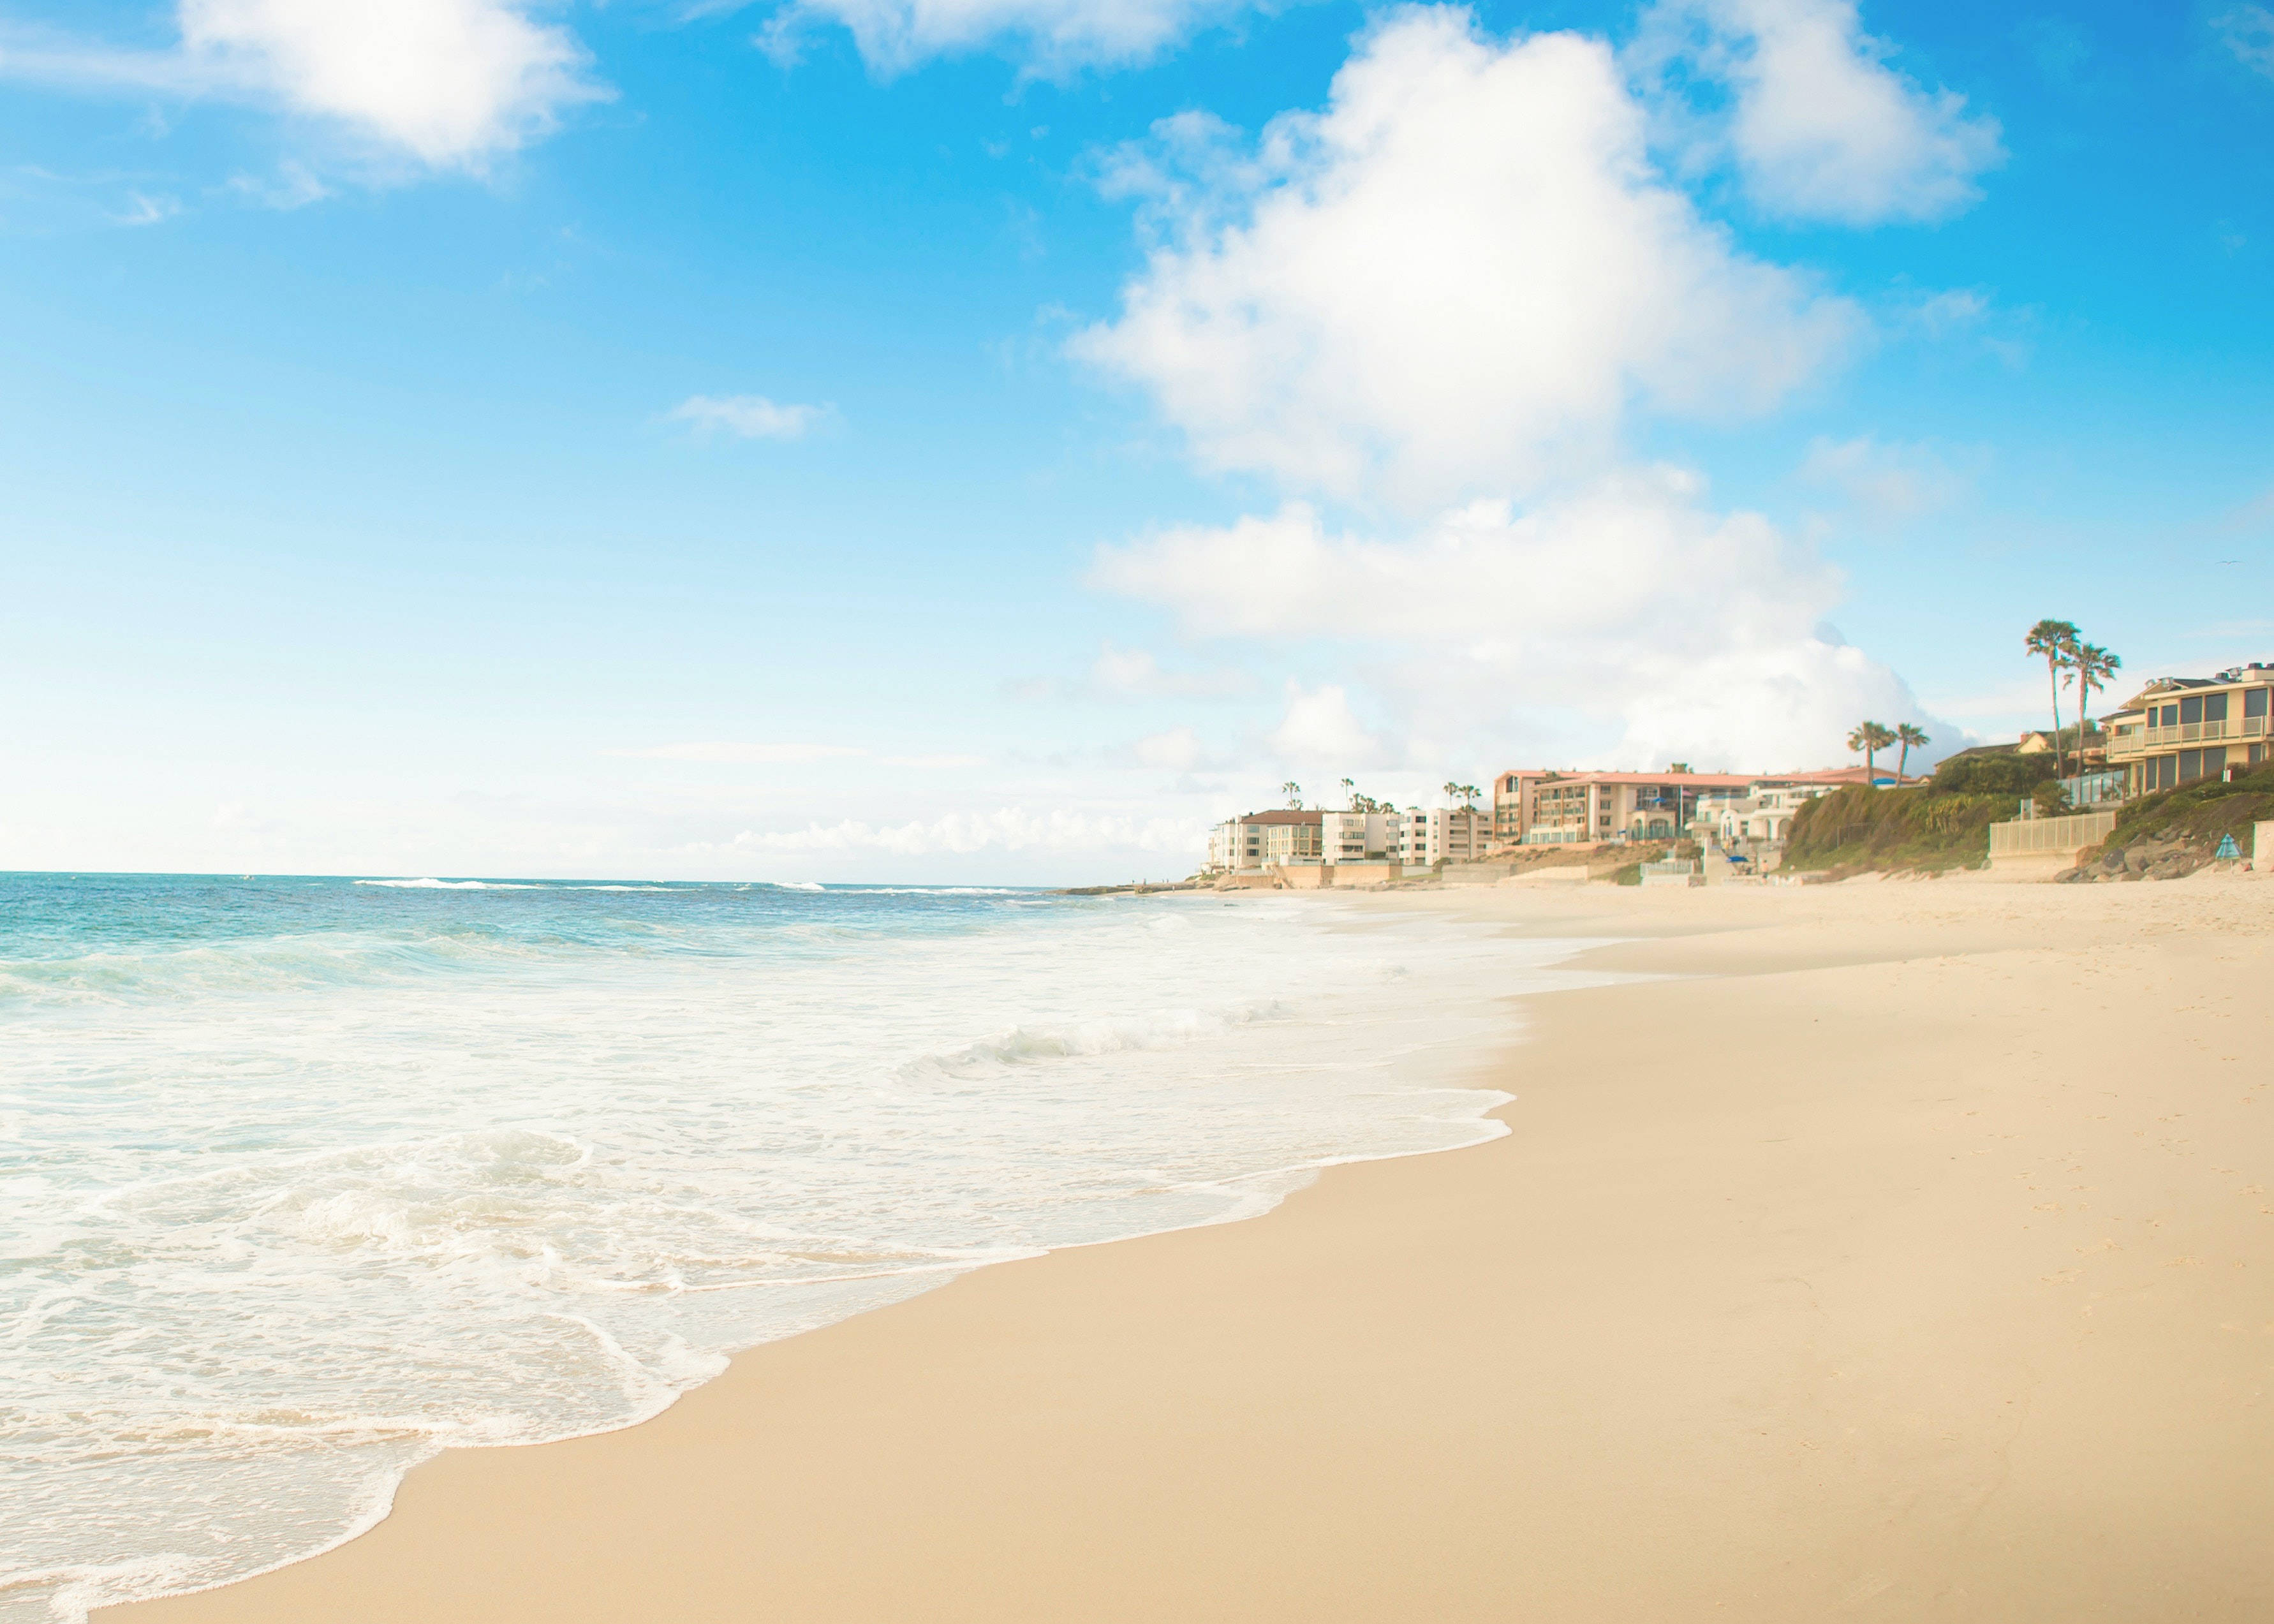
(2008, 773)
(1859, 828)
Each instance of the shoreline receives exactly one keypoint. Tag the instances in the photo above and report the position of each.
(1441, 1384)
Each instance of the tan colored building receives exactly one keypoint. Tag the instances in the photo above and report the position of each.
(1441, 834)
(2180, 729)
(1265, 838)
(1534, 807)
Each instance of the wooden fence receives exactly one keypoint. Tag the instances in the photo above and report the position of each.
(2025, 836)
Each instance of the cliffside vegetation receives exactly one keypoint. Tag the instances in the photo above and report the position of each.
(1943, 824)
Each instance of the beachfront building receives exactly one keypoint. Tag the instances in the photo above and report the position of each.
(1358, 837)
(1262, 839)
(1442, 834)
(1536, 806)
(2180, 729)
(1760, 814)
(1265, 840)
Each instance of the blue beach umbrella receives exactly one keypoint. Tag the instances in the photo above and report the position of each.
(2228, 849)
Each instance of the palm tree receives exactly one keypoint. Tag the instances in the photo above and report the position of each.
(2053, 639)
(2093, 665)
(1452, 790)
(1908, 733)
(1350, 786)
(1868, 739)
(1469, 793)
(1294, 793)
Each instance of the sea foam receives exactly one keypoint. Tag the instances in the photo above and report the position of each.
(305, 1180)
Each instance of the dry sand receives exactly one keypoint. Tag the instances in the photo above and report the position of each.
(1909, 1261)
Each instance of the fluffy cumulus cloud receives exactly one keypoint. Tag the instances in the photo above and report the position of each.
(1458, 277)
(451, 84)
(1819, 126)
(1448, 294)
(1053, 37)
(1629, 613)
(1320, 729)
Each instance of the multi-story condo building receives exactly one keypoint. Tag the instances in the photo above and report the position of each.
(2178, 729)
(1535, 807)
(1442, 834)
(1264, 838)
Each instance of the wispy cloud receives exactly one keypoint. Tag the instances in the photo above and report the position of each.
(1010, 828)
(2257, 513)
(748, 417)
(747, 754)
(144, 209)
(2247, 33)
(730, 753)
(1887, 483)
(293, 186)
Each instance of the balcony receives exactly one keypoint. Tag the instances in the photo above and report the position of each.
(2142, 740)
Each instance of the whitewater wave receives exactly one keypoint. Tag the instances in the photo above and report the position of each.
(435, 885)
(1023, 1045)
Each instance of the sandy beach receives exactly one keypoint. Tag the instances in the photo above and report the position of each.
(1894, 1251)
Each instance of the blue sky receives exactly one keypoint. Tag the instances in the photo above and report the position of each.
(991, 440)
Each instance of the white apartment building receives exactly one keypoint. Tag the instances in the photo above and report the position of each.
(1354, 837)
(1764, 813)
(1442, 834)
(1263, 839)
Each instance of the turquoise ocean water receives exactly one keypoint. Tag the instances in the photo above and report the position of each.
(302, 1179)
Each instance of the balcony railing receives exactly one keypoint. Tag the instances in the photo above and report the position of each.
(2145, 739)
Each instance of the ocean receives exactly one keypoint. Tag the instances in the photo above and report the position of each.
(302, 1179)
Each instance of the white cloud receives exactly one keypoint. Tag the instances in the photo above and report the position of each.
(2247, 31)
(722, 752)
(452, 83)
(1821, 127)
(1321, 730)
(1053, 37)
(1135, 673)
(1177, 750)
(1457, 278)
(749, 755)
(1887, 483)
(143, 209)
(1010, 828)
(295, 186)
(748, 417)
(1627, 611)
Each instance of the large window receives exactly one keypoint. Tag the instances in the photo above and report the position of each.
(2190, 764)
(2191, 711)
(2253, 701)
(2214, 707)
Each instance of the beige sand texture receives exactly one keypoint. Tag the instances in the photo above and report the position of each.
(1907, 1259)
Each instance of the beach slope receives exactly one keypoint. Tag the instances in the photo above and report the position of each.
(1907, 1258)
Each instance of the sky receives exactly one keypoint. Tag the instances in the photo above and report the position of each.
(986, 441)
